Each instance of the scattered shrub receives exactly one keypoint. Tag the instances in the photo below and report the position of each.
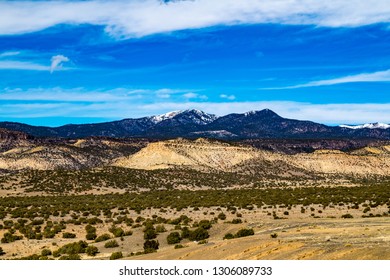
(68, 235)
(347, 216)
(117, 231)
(91, 250)
(103, 237)
(228, 236)
(111, 244)
(185, 232)
(73, 248)
(46, 252)
(173, 238)
(116, 255)
(221, 216)
(198, 234)
(205, 224)
(160, 228)
(70, 257)
(244, 232)
(236, 221)
(151, 246)
(150, 233)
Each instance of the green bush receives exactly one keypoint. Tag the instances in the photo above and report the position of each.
(90, 236)
(178, 246)
(31, 257)
(116, 255)
(274, 235)
(160, 229)
(103, 237)
(91, 250)
(68, 235)
(236, 221)
(117, 231)
(46, 252)
(91, 232)
(221, 216)
(206, 224)
(244, 232)
(111, 244)
(74, 248)
(150, 233)
(198, 234)
(173, 238)
(228, 236)
(70, 257)
(185, 232)
(347, 216)
(8, 237)
(151, 246)
(56, 253)
(1, 252)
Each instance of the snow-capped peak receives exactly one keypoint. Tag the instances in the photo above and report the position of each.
(197, 116)
(191, 115)
(163, 117)
(367, 125)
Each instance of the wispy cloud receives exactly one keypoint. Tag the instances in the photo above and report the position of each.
(229, 97)
(22, 65)
(125, 103)
(350, 113)
(380, 76)
(31, 62)
(193, 95)
(10, 53)
(57, 61)
(144, 17)
(58, 94)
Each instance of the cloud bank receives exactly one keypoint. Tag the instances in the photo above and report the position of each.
(131, 103)
(380, 76)
(139, 18)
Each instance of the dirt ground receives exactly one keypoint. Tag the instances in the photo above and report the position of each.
(354, 239)
(316, 234)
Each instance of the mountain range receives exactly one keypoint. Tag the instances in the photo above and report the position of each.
(195, 123)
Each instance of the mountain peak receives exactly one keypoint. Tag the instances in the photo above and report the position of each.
(159, 118)
(185, 116)
(264, 113)
(196, 116)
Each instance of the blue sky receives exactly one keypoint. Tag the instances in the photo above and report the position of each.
(91, 61)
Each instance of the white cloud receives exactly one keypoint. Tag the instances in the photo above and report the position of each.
(84, 95)
(6, 63)
(56, 62)
(22, 65)
(130, 103)
(380, 76)
(7, 54)
(166, 92)
(138, 18)
(190, 95)
(347, 113)
(193, 95)
(229, 97)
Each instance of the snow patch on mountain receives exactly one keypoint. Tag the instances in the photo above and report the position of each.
(159, 118)
(198, 117)
(367, 125)
(186, 116)
(214, 133)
